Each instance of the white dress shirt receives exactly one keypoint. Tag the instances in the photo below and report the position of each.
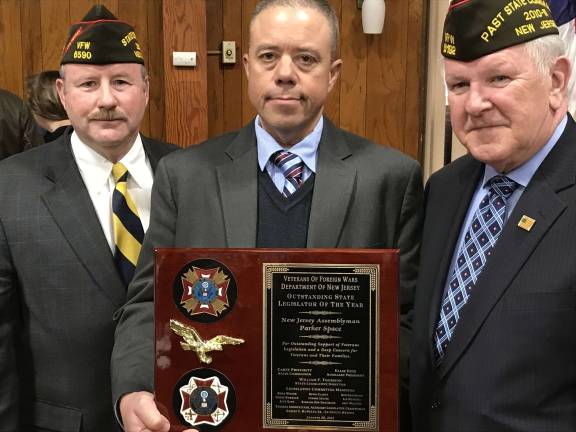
(96, 172)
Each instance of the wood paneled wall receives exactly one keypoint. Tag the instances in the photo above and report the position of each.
(186, 95)
(379, 94)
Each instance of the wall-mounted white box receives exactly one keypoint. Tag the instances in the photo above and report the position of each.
(184, 58)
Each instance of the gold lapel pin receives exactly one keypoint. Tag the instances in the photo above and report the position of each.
(526, 223)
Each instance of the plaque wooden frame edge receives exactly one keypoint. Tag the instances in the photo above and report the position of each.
(388, 370)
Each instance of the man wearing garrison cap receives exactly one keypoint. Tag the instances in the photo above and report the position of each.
(494, 340)
(64, 263)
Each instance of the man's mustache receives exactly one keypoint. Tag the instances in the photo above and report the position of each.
(107, 115)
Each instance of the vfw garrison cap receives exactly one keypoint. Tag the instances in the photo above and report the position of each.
(100, 38)
(475, 28)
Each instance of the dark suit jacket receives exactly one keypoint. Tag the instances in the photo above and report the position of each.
(510, 365)
(59, 288)
(365, 196)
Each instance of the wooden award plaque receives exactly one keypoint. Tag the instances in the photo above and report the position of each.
(264, 339)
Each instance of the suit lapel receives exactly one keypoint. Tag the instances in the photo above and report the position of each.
(154, 150)
(456, 203)
(333, 189)
(513, 248)
(72, 209)
(539, 201)
(238, 186)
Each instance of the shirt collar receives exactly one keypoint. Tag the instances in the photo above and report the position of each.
(305, 149)
(524, 173)
(135, 162)
(97, 168)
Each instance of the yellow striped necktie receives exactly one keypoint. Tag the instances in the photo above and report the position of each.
(128, 231)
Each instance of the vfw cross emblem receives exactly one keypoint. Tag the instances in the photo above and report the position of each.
(204, 401)
(205, 291)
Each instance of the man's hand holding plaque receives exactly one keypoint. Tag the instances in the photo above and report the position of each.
(140, 414)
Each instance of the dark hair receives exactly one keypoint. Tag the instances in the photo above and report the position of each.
(42, 96)
(322, 6)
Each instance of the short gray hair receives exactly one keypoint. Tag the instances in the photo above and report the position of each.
(322, 6)
(544, 51)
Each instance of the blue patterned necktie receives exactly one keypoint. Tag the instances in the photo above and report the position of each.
(292, 167)
(128, 231)
(479, 240)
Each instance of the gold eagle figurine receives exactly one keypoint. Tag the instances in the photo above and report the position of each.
(194, 342)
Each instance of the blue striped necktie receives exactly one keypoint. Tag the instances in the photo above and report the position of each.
(128, 231)
(292, 167)
(479, 241)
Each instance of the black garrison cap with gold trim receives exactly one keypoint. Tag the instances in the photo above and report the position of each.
(475, 28)
(100, 38)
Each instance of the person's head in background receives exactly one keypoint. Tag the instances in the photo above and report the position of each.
(45, 104)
